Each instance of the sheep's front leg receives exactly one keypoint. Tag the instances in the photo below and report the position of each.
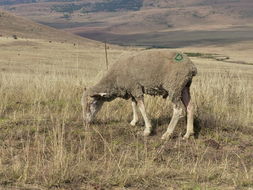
(148, 127)
(135, 115)
(177, 114)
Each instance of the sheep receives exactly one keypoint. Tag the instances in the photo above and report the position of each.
(152, 72)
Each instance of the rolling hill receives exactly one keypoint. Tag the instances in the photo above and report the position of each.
(17, 27)
(142, 22)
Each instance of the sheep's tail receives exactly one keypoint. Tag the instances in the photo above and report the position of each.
(194, 71)
(191, 66)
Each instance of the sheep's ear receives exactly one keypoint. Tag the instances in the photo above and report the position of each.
(102, 94)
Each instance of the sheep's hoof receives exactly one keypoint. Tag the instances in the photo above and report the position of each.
(146, 132)
(133, 122)
(166, 136)
(187, 135)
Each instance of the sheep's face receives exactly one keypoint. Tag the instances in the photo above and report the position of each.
(92, 106)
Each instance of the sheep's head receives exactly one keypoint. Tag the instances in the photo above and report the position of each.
(91, 105)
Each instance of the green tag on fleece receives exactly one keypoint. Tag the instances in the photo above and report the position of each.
(179, 57)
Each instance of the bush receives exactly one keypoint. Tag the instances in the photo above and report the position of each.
(15, 36)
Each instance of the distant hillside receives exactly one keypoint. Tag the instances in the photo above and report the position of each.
(14, 2)
(115, 20)
(14, 26)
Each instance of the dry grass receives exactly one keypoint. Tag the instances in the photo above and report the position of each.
(43, 144)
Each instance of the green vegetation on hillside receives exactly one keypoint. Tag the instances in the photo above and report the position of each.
(108, 6)
(70, 8)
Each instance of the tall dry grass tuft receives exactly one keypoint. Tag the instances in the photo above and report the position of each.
(223, 99)
(43, 140)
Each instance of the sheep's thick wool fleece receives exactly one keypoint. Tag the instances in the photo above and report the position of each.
(150, 72)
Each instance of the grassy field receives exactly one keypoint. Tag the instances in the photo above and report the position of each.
(43, 144)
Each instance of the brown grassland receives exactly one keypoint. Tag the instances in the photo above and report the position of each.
(43, 144)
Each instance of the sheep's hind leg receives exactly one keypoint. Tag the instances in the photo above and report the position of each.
(177, 114)
(186, 98)
(135, 115)
(148, 127)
